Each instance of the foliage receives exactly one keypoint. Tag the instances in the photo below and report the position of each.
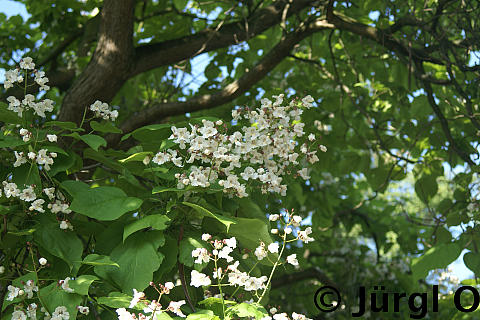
(394, 197)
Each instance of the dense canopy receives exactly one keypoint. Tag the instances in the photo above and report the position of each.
(386, 177)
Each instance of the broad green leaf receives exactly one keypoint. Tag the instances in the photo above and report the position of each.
(215, 304)
(115, 300)
(248, 310)
(104, 203)
(203, 315)
(105, 127)
(227, 221)
(426, 187)
(54, 296)
(187, 245)
(437, 257)
(74, 187)
(63, 124)
(138, 258)
(8, 116)
(472, 261)
(92, 140)
(99, 260)
(60, 243)
(81, 284)
(154, 221)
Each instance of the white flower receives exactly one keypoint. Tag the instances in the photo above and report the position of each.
(29, 288)
(273, 247)
(206, 237)
(123, 314)
(274, 231)
(169, 285)
(32, 310)
(199, 279)
(292, 259)
(297, 316)
(303, 235)
(311, 137)
(83, 310)
(10, 189)
(42, 261)
(288, 230)
(37, 205)
(52, 137)
(304, 174)
(64, 225)
(201, 254)
(296, 220)
(273, 310)
(281, 316)
(137, 295)
(28, 194)
(175, 307)
(27, 63)
(60, 313)
(65, 285)
(19, 315)
(49, 192)
(307, 101)
(2, 269)
(273, 217)
(13, 292)
(225, 253)
(260, 251)
(232, 242)
(20, 159)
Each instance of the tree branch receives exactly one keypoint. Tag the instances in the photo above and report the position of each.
(154, 55)
(111, 63)
(231, 91)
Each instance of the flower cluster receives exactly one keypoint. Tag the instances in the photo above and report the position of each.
(57, 203)
(151, 309)
(102, 110)
(262, 152)
(19, 75)
(28, 288)
(42, 158)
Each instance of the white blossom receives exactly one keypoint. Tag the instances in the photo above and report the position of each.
(199, 279)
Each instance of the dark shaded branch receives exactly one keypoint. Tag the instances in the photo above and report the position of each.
(231, 91)
(154, 55)
(110, 65)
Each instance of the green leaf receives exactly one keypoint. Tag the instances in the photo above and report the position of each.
(248, 310)
(115, 300)
(62, 244)
(472, 261)
(8, 116)
(437, 257)
(74, 187)
(203, 315)
(63, 124)
(105, 127)
(11, 142)
(227, 221)
(92, 140)
(139, 156)
(215, 304)
(104, 203)
(426, 187)
(155, 221)
(99, 260)
(54, 296)
(81, 284)
(187, 245)
(138, 258)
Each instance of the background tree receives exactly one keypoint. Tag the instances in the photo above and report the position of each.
(396, 96)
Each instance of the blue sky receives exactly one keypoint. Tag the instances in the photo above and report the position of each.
(10, 8)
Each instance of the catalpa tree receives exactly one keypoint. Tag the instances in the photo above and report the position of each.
(227, 159)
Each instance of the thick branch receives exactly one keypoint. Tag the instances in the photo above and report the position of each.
(154, 55)
(110, 64)
(231, 91)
